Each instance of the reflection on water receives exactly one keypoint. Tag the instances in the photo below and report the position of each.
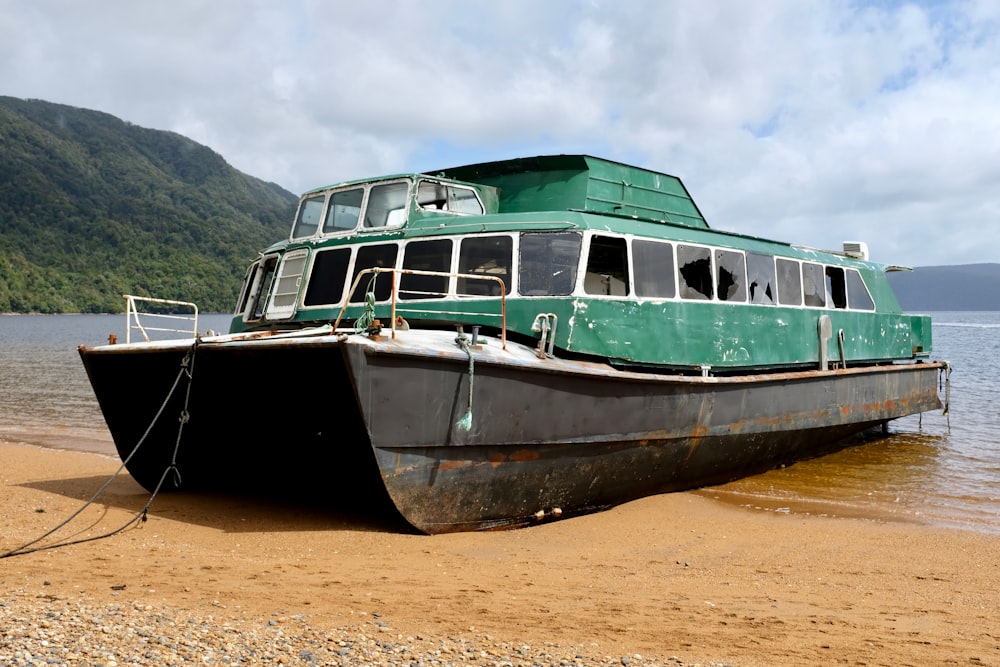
(931, 468)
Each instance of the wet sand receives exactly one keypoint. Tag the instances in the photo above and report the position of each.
(675, 579)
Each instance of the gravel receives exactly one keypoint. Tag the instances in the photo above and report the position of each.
(45, 630)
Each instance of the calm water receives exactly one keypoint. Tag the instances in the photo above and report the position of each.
(931, 469)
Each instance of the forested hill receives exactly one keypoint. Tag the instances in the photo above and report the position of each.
(959, 287)
(92, 207)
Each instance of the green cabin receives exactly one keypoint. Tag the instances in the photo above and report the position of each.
(609, 262)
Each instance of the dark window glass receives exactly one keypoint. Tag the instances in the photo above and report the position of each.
(327, 278)
(858, 297)
(695, 268)
(760, 278)
(371, 256)
(548, 262)
(813, 284)
(836, 290)
(264, 281)
(653, 266)
(789, 282)
(344, 209)
(730, 269)
(310, 211)
(607, 267)
(490, 256)
(425, 256)
(248, 282)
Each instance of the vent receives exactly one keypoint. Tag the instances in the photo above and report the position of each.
(856, 249)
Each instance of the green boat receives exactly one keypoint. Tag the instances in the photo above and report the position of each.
(497, 344)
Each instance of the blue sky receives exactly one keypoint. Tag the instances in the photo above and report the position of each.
(806, 121)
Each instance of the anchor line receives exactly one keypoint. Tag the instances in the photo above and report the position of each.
(186, 369)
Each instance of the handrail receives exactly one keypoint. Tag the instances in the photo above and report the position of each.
(132, 315)
(395, 291)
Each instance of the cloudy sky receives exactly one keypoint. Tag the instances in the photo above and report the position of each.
(807, 121)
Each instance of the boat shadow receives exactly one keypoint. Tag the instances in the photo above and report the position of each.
(230, 512)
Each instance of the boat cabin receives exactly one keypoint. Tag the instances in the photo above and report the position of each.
(619, 259)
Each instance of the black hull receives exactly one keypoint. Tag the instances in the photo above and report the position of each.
(367, 424)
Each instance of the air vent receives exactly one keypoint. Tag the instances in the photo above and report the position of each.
(856, 249)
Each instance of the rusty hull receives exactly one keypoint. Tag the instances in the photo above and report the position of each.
(377, 424)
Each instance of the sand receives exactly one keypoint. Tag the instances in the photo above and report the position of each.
(675, 579)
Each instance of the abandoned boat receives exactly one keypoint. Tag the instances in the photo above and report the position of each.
(497, 344)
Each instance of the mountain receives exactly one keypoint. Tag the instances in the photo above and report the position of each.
(960, 287)
(93, 207)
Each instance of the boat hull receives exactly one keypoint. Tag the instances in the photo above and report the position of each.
(391, 423)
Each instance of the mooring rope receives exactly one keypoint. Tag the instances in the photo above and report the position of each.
(187, 368)
(368, 315)
(465, 423)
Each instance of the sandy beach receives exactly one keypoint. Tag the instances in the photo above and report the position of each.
(678, 579)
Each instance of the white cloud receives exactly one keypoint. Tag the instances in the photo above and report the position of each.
(813, 122)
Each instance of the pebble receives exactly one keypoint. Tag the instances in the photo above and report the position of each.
(38, 630)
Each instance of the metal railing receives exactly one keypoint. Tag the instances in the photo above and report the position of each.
(132, 317)
(375, 271)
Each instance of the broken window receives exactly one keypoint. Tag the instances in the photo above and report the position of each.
(433, 196)
(607, 267)
(327, 277)
(262, 286)
(695, 267)
(858, 296)
(653, 267)
(310, 211)
(836, 290)
(344, 210)
(387, 205)
(372, 256)
(547, 263)
(760, 278)
(489, 256)
(730, 268)
(813, 284)
(425, 256)
(789, 282)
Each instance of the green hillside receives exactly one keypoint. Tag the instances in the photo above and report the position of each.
(92, 207)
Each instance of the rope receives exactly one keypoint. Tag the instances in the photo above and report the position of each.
(187, 368)
(465, 423)
(368, 315)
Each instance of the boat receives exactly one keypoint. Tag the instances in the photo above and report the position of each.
(500, 344)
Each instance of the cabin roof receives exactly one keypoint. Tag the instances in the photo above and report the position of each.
(583, 183)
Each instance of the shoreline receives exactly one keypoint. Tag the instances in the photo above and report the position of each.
(675, 579)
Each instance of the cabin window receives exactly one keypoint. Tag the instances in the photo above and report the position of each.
(836, 290)
(285, 290)
(386, 205)
(310, 212)
(813, 284)
(433, 196)
(730, 269)
(425, 256)
(344, 210)
(653, 265)
(858, 297)
(327, 277)
(607, 267)
(789, 282)
(490, 256)
(369, 257)
(257, 286)
(760, 278)
(547, 263)
(695, 268)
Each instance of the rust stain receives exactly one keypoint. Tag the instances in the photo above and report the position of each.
(524, 455)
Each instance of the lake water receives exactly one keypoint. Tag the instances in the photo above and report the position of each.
(931, 468)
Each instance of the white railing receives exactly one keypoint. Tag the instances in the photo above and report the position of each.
(159, 320)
